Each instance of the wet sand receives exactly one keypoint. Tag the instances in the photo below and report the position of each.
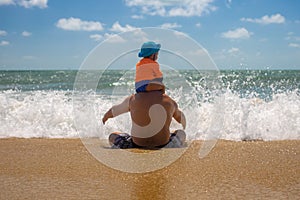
(64, 169)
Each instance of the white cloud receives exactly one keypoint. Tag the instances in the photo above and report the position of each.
(3, 33)
(179, 34)
(96, 37)
(33, 3)
(273, 19)
(26, 34)
(233, 50)
(113, 38)
(198, 25)
(170, 25)
(76, 24)
(137, 17)
(199, 52)
(26, 3)
(295, 45)
(228, 3)
(134, 36)
(139, 35)
(291, 36)
(173, 8)
(116, 27)
(239, 33)
(154, 7)
(4, 43)
(7, 2)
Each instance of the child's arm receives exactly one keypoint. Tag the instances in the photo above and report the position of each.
(156, 71)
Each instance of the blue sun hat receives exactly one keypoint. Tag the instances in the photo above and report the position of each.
(149, 48)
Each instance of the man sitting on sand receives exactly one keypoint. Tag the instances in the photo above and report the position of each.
(151, 115)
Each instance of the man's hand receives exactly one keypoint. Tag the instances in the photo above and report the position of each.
(182, 120)
(107, 115)
(104, 119)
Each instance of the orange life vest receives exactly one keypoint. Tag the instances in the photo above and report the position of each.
(146, 71)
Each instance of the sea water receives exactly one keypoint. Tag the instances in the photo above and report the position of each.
(232, 105)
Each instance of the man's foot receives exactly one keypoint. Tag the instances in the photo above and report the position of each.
(180, 134)
(119, 140)
(112, 137)
(177, 139)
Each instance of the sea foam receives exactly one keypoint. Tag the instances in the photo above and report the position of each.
(50, 114)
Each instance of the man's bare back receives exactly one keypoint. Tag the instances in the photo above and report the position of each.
(144, 129)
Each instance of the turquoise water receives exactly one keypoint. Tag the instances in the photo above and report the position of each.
(258, 83)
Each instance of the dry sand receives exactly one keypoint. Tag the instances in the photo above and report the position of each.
(64, 169)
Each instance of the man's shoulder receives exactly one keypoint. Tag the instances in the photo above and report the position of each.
(168, 98)
(131, 97)
(153, 94)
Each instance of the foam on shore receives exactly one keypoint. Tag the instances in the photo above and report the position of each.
(50, 114)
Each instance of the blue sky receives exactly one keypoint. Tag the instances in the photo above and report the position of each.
(238, 34)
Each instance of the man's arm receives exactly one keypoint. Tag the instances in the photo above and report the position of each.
(179, 116)
(117, 110)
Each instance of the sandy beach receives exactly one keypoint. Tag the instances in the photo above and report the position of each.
(64, 169)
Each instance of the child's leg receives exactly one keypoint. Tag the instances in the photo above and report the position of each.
(141, 89)
(155, 87)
